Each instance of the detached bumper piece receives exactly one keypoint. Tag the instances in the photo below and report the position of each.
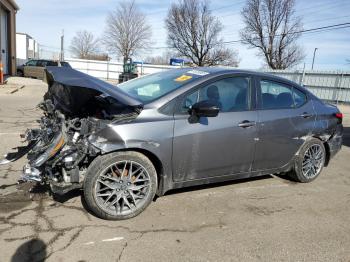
(21, 151)
(30, 174)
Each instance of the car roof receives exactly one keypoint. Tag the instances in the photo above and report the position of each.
(219, 70)
(226, 70)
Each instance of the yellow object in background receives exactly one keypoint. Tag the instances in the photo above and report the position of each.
(183, 78)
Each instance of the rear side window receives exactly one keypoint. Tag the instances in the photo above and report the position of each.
(41, 63)
(51, 63)
(276, 96)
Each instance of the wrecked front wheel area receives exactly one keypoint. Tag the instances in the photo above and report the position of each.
(120, 185)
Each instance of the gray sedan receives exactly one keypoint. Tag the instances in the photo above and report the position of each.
(124, 145)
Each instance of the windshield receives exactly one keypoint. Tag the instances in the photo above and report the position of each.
(152, 87)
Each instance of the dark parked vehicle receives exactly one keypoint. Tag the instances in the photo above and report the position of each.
(36, 68)
(123, 145)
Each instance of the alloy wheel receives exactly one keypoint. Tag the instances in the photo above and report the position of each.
(122, 188)
(313, 161)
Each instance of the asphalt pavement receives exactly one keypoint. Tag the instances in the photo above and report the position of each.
(263, 219)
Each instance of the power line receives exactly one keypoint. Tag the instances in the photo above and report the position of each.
(212, 9)
(336, 26)
(316, 29)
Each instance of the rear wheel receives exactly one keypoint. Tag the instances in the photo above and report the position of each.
(20, 73)
(120, 185)
(309, 162)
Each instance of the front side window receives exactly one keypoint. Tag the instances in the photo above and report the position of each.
(31, 63)
(229, 94)
(276, 96)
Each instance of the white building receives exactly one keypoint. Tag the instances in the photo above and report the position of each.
(26, 48)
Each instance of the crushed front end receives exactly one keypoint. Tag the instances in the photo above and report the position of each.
(59, 151)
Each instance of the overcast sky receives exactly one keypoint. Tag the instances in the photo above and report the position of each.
(45, 19)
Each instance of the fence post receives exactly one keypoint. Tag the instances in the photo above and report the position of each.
(339, 86)
(107, 68)
(302, 76)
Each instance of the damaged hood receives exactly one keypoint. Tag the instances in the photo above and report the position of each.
(75, 79)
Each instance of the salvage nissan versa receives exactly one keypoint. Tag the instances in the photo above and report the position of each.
(123, 145)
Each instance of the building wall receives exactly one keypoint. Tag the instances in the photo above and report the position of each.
(21, 46)
(31, 44)
(27, 48)
(10, 8)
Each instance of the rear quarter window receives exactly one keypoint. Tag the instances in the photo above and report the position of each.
(66, 64)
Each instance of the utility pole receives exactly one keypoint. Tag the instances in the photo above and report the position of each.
(313, 59)
(62, 46)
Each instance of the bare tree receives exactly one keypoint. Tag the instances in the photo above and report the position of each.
(194, 32)
(127, 30)
(84, 45)
(272, 27)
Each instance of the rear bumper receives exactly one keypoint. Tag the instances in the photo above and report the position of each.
(335, 142)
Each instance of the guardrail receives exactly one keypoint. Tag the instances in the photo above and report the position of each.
(332, 86)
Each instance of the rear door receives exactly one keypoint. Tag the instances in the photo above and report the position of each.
(285, 118)
(215, 146)
(29, 68)
(40, 68)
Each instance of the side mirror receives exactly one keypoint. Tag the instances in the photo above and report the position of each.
(205, 108)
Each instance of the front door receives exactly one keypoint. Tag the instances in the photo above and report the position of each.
(285, 119)
(215, 146)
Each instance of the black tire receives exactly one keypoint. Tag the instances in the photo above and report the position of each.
(20, 73)
(100, 164)
(297, 173)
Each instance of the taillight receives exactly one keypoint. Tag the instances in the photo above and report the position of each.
(339, 116)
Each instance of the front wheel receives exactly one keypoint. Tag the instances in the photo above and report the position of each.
(309, 162)
(120, 185)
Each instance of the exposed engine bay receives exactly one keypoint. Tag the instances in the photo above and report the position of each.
(74, 109)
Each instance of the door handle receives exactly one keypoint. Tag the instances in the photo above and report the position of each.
(306, 115)
(246, 124)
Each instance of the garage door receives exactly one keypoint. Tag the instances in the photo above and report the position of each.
(4, 39)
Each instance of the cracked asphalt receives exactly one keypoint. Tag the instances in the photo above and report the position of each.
(263, 219)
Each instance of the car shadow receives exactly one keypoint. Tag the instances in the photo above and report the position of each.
(69, 195)
(218, 184)
(346, 136)
(79, 192)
